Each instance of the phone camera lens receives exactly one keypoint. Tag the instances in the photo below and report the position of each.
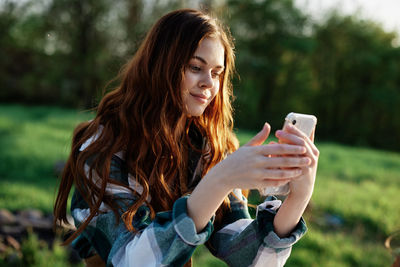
(294, 122)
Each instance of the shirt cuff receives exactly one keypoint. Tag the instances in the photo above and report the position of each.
(265, 216)
(185, 227)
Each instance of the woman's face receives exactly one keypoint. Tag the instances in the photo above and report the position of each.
(201, 80)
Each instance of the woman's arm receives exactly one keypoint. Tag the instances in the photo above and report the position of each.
(242, 241)
(289, 214)
(249, 167)
(269, 237)
(301, 188)
(206, 199)
(167, 239)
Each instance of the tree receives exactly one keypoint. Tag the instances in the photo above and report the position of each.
(356, 70)
(272, 60)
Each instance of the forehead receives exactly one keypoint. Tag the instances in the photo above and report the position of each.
(212, 50)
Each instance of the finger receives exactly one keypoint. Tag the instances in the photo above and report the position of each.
(289, 138)
(281, 149)
(282, 174)
(313, 146)
(271, 143)
(261, 136)
(292, 129)
(312, 135)
(285, 162)
(274, 182)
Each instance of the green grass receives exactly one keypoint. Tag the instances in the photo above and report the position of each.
(360, 186)
(32, 141)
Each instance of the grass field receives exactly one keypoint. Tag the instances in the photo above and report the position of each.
(355, 205)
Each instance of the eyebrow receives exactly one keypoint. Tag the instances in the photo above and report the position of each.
(205, 62)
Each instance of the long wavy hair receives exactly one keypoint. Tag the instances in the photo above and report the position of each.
(141, 117)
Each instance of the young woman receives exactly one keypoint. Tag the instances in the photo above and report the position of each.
(158, 171)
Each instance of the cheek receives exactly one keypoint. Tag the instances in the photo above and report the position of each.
(189, 80)
(185, 85)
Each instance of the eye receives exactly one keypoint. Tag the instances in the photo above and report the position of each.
(216, 74)
(194, 68)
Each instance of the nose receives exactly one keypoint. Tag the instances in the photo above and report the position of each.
(206, 81)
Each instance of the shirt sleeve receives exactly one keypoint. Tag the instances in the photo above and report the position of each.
(168, 239)
(243, 241)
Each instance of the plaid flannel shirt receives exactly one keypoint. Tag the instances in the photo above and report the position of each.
(171, 238)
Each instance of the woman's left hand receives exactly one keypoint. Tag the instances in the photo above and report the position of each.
(304, 185)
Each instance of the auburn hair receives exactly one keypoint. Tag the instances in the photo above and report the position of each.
(141, 117)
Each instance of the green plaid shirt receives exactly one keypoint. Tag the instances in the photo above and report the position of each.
(171, 238)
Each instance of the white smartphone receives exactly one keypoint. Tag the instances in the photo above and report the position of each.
(305, 123)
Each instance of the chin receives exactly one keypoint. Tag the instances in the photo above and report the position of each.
(195, 112)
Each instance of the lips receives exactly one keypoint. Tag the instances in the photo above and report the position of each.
(203, 99)
(200, 96)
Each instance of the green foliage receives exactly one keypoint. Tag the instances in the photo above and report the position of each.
(33, 140)
(272, 61)
(68, 51)
(356, 65)
(36, 253)
(360, 187)
(202, 257)
(344, 69)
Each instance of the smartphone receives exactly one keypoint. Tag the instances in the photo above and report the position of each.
(305, 123)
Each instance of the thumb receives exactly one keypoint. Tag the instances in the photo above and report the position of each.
(259, 138)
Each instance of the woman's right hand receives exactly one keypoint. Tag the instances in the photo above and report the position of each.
(255, 166)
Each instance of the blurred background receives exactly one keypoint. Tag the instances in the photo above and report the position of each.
(339, 60)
